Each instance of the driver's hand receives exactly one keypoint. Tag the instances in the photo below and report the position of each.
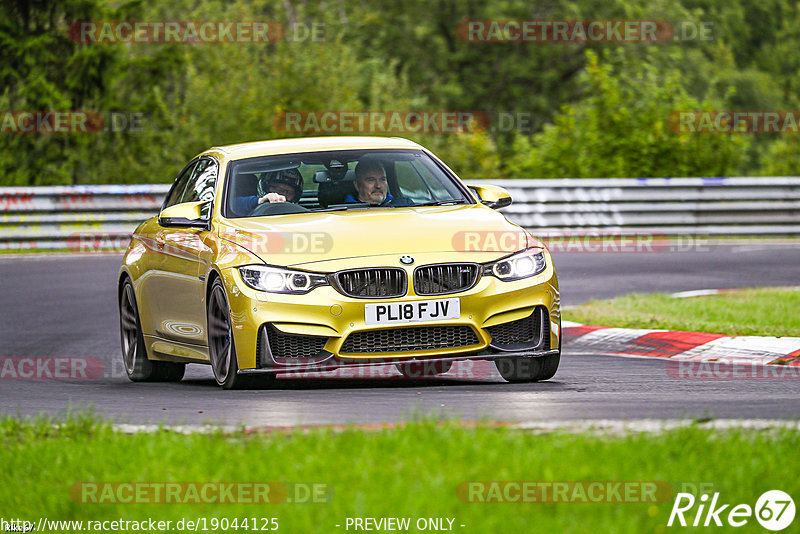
(272, 198)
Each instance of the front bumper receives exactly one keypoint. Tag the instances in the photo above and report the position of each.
(333, 363)
(326, 314)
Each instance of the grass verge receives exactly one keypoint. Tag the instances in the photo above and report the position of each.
(746, 312)
(408, 471)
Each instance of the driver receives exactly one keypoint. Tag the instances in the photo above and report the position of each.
(371, 186)
(273, 187)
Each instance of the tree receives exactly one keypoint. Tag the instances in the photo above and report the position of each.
(623, 128)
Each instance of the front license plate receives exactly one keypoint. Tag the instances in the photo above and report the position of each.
(412, 312)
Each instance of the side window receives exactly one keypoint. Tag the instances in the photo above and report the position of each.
(440, 190)
(417, 183)
(410, 183)
(180, 184)
(202, 183)
(307, 172)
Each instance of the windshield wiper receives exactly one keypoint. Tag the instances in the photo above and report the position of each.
(364, 205)
(349, 206)
(440, 203)
(340, 208)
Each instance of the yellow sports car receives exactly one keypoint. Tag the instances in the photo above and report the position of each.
(321, 253)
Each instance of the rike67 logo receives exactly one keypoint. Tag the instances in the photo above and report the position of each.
(774, 510)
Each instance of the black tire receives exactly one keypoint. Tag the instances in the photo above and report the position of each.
(168, 371)
(221, 346)
(423, 369)
(138, 366)
(528, 369)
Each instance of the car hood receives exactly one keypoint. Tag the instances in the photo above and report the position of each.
(330, 241)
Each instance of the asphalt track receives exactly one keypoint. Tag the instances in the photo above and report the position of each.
(65, 306)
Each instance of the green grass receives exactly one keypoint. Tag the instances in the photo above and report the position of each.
(410, 471)
(756, 312)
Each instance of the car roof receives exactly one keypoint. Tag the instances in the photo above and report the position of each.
(310, 144)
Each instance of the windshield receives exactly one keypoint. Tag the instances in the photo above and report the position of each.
(337, 181)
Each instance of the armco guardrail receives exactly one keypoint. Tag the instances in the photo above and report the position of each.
(102, 217)
(75, 217)
(674, 206)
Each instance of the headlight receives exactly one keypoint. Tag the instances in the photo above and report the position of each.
(277, 280)
(524, 264)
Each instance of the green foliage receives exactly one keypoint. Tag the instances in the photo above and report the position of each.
(782, 157)
(473, 156)
(623, 128)
(597, 109)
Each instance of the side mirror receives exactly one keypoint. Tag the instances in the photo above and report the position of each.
(186, 214)
(492, 196)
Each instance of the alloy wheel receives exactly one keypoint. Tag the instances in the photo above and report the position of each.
(129, 329)
(220, 334)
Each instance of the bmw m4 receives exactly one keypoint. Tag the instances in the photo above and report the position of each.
(320, 253)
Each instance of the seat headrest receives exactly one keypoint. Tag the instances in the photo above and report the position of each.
(246, 185)
(335, 192)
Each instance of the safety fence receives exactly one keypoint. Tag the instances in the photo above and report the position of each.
(102, 217)
(91, 217)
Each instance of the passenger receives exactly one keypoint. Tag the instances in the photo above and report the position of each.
(273, 187)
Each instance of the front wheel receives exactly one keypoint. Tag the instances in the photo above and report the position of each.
(134, 353)
(221, 346)
(528, 369)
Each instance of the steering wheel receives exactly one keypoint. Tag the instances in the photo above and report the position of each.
(277, 208)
